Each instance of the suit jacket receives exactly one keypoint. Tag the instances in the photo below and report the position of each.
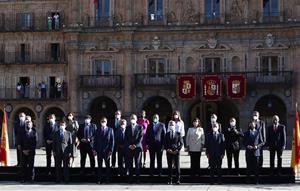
(232, 138)
(276, 139)
(215, 147)
(155, 139)
(112, 124)
(261, 126)
(135, 138)
(103, 141)
(62, 147)
(91, 133)
(28, 140)
(19, 130)
(253, 140)
(174, 143)
(120, 139)
(49, 131)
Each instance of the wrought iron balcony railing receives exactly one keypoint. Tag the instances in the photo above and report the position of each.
(100, 81)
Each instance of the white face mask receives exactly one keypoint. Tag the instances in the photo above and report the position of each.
(255, 118)
(213, 120)
(118, 116)
(63, 127)
(232, 123)
(52, 121)
(215, 129)
(22, 118)
(87, 121)
(172, 128)
(195, 124)
(103, 124)
(176, 117)
(133, 121)
(70, 118)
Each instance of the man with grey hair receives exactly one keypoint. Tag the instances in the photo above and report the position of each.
(276, 140)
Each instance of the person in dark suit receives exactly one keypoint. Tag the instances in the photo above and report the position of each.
(253, 141)
(62, 151)
(260, 126)
(215, 150)
(276, 140)
(49, 130)
(173, 143)
(120, 145)
(85, 135)
(133, 144)
(103, 145)
(155, 136)
(19, 130)
(115, 125)
(233, 136)
(72, 126)
(28, 144)
(213, 120)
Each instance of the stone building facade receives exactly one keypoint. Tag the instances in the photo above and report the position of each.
(97, 56)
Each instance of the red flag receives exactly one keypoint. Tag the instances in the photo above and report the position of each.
(236, 86)
(295, 163)
(4, 147)
(186, 87)
(211, 87)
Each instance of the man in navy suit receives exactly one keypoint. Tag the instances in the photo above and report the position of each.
(28, 144)
(120, 145)
(19, 130)
(103, 145)
(276, 140)
(215, 150)
(155, 136)
(253, 141)
(133, 145)
(49, 130)
(85, 135)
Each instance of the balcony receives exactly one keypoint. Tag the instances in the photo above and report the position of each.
(283, 78)
(39, 57)
(100, 81)
(98, 22)
(32, 93)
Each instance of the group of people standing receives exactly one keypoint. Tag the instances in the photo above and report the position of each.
(128, 142)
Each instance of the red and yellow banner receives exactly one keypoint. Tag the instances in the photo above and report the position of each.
(186, 87)
(211, 88)
(4, 147)
(236, 86)
(295, 162)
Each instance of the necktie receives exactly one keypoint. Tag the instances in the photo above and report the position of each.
(86, 131)
(215, 135)
(275, 128)
(133, 127)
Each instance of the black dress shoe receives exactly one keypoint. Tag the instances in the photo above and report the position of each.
(178, 182)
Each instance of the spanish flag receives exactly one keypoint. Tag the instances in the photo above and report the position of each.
(295, 163)
(4, 147)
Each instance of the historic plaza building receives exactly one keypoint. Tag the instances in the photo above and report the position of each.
(97, 56)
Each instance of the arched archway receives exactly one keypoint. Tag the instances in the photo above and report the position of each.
(59, 114)
(271, 105)
(224, 109)
(25, 110)
(102, 107)
(158, 105)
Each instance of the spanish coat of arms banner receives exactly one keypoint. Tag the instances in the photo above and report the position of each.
(211, 88)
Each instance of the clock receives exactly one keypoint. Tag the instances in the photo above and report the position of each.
(8, 108)
(38, 108)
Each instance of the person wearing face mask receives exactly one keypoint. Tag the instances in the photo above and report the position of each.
(85, 136)
(260, 126)
(28, 145)
(49, 130)
(213, 120)
(144, 122)
(215, 150)
(173, 143)
(19, 129)
(276, 141)
(115, 125)
(195, 141)
(62, 151)
(103, 145)
(233, 134)
(179, 123)
(72, 127)
(133, 145)
(253, 142)
(120, 145)
(155, 136)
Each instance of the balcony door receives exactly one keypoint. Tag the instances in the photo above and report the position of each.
(102, 67)
(212, 65)
(155, 10)
(157, 67)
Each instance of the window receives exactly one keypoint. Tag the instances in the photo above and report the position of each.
(155, 10)
(156, 67)
(103, 67)
(103, 10)
(53, 21)
(212, 65)
(25, 21)
(212, 8)
(270, 8)
(270, 65)
(55, 52)
(23, 54)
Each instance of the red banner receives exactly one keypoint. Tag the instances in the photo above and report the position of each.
(236, 86)
(186, 87)
(211, 88)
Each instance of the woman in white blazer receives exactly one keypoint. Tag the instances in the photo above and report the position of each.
(195, 140)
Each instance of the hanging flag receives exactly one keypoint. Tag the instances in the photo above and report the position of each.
(186, 87)
(236, 86)
(4, 147)
(211, 88)
(295, 162)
